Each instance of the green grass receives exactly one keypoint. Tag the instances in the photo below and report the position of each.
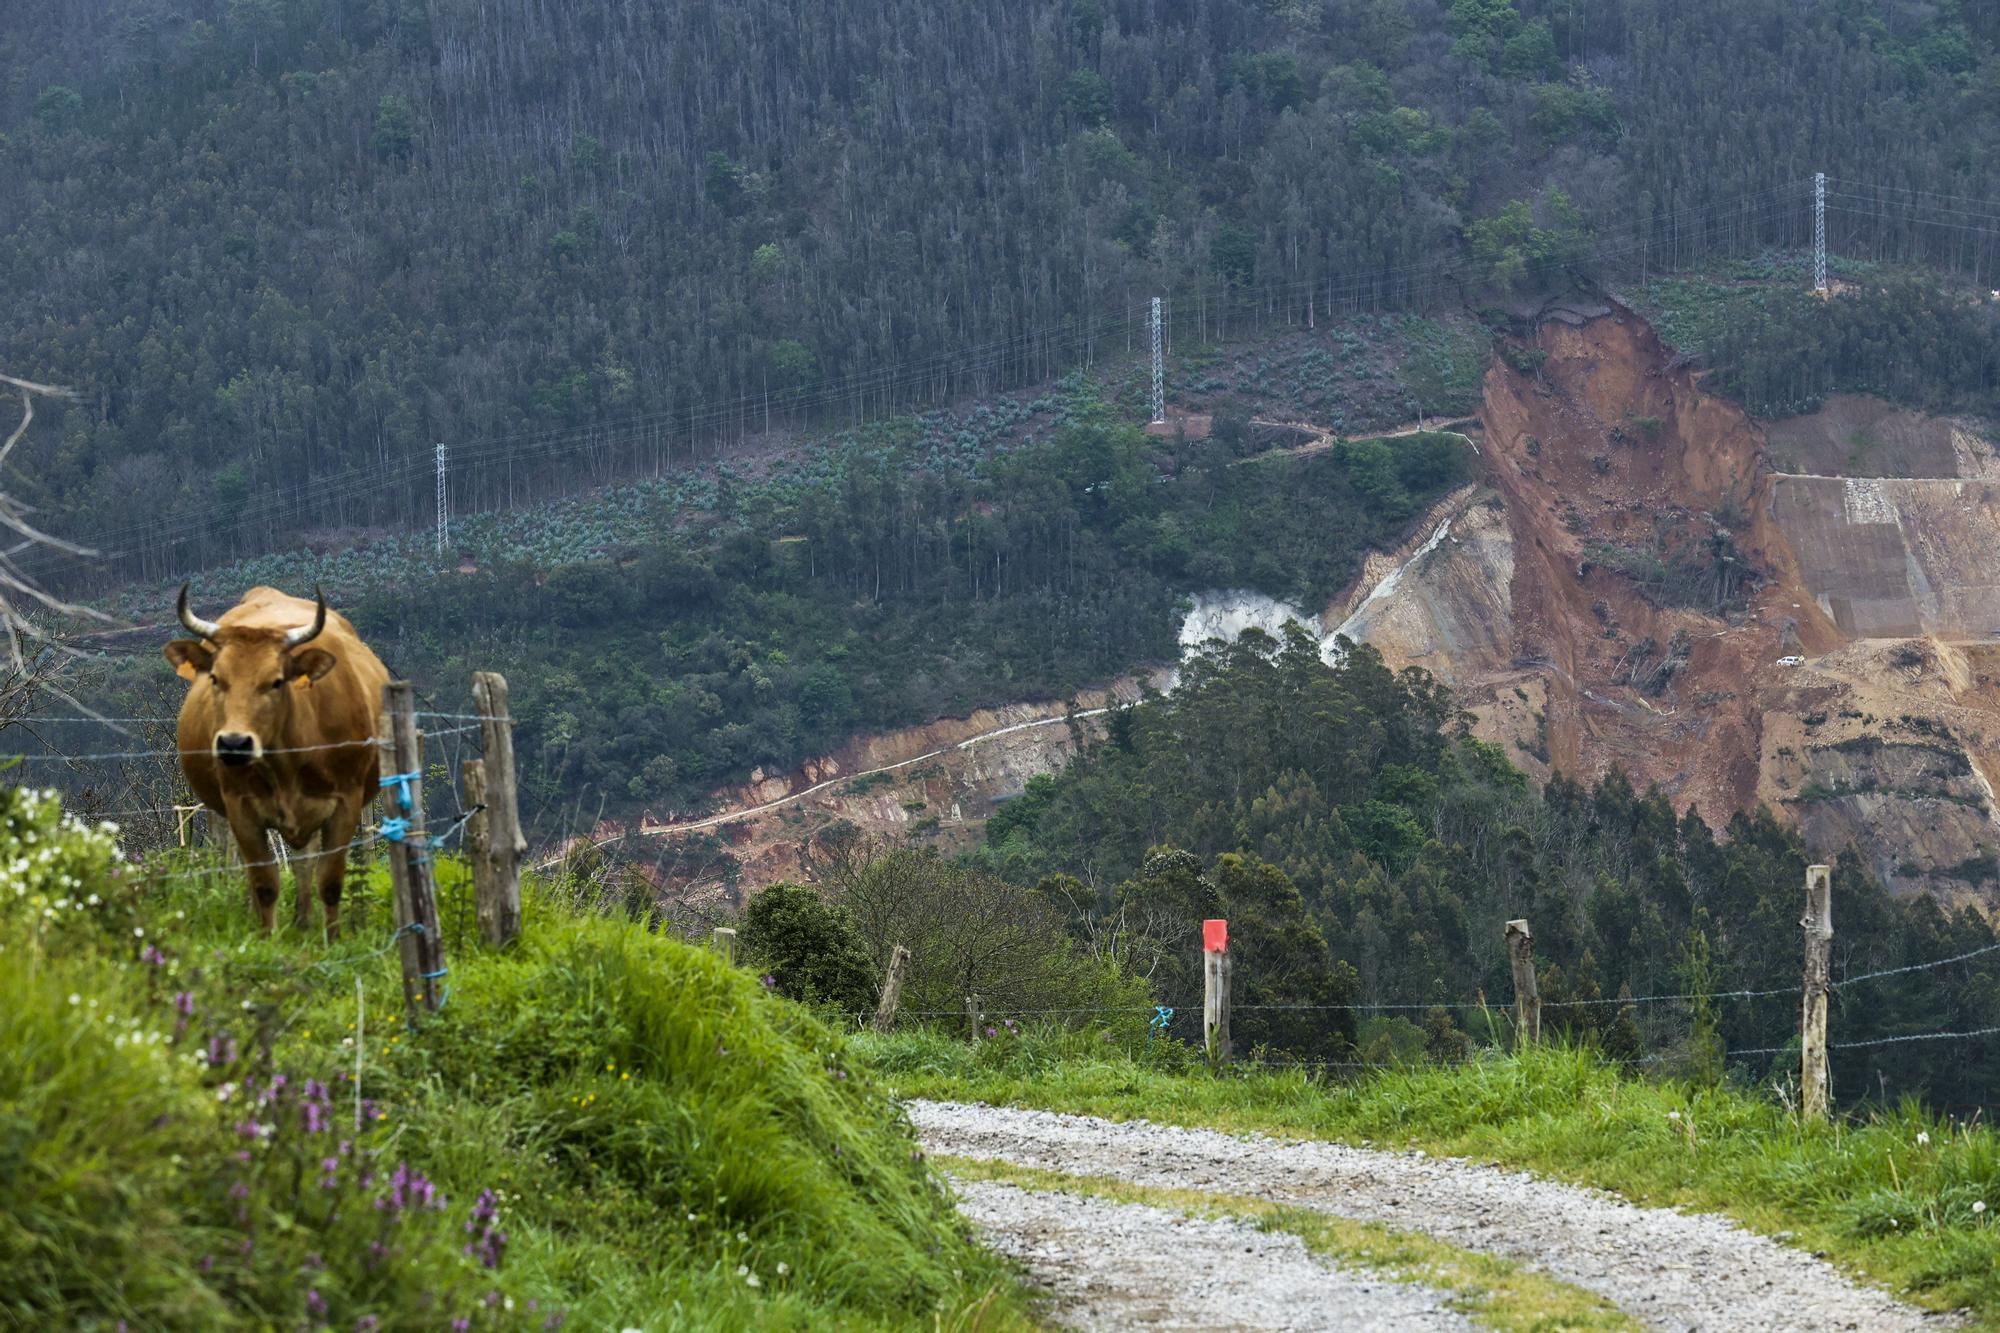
(656, 1128)
(1493, 1292)
(1892, 1198)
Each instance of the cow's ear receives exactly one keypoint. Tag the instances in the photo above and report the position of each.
(306, 665)
(190, 657)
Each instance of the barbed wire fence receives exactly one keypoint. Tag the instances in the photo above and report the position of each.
(1518, 1022)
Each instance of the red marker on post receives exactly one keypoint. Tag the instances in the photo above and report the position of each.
(1215, 988)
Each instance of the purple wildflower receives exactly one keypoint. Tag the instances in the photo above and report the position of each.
(315, 1303)
(152, 957)
(367, 1323)
(768, 982)
(992, 1032)
(460, 1324)
(554, 1320)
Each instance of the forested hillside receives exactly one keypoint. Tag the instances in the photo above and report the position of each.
(285, 246)
(879, 585)
(1366, 850)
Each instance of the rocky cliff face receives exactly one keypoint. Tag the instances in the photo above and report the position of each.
(1640, 589)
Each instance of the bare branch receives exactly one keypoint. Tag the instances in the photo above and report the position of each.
(36, 656)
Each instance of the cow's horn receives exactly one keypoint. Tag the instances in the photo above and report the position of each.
(204, 629)
(295, 637)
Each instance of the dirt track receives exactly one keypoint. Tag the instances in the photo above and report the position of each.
(1671, 1270)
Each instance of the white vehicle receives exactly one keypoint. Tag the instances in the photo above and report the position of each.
(1793, 660)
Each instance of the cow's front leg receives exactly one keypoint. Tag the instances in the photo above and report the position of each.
(262, 863)
(335, 837)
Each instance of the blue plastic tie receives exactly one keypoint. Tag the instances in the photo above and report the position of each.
(401, 781)
(1162, 1015)
(395, 828)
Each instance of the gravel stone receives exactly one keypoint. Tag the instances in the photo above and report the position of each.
(1112, 1266)
(1669, 1269)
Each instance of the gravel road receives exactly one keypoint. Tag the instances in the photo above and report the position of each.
(1671, 1270)
(1116, 1266)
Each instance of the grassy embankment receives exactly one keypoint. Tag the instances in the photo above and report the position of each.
(1903, 1199)
(604, 1128)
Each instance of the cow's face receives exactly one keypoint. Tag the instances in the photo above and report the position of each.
(251, 674)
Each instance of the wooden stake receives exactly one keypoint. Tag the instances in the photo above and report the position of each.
(892, 990)
(410, 855)
(1527, 1001)
(500, 908)
(972, 1018)
(1815, 1079)
(1215, 990)
(725, 943)
(478, 833)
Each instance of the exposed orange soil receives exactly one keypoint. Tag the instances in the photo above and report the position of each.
(1601, 470)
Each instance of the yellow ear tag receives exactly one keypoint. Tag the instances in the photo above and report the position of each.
(186, 671)
(302, 681)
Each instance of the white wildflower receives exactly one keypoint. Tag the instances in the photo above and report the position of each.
(1923, 1138)
(139, 932)
(1978, 1207)
(784, 1268)
(74, 998)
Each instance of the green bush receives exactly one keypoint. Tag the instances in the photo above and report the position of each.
(809, 949)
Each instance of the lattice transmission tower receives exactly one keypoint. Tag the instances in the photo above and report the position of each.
(444, 527)
(1159, 368)
(1819, 233)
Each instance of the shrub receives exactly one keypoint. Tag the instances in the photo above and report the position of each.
(809, 948)
(970, 933)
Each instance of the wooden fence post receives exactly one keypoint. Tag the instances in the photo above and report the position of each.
(1215, 989)
(1527, 1001)
(478, 831)
(500, 890)
(1814, 1077)
(410, 853)
(725, 943)
(892, 990)
(972, 1018)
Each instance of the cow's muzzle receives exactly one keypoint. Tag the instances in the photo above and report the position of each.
(234, 749)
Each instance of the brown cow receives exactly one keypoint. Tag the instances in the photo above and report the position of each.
(278, 732)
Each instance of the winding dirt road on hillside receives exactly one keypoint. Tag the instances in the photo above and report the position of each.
(1114, 1266)
(1670, 1270)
